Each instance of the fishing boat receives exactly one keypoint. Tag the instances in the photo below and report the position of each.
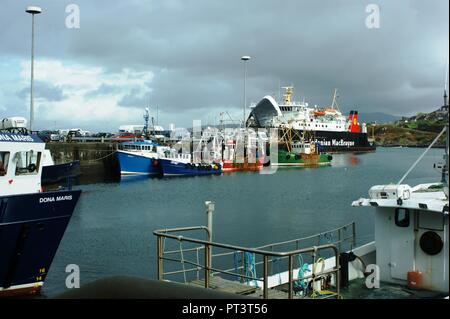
(250, 158)
(174, 164)
(302, 155)
(140, 157)
(32, 221)
(296, 150)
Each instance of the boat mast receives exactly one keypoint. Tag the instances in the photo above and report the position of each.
(334, 104)
(146, 117)
(446, 159)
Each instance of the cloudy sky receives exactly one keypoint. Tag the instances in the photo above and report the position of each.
(184, 57)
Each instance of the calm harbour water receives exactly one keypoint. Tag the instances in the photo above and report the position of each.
(110, 232)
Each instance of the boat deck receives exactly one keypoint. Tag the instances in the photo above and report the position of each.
(355, 290)
(235, 287)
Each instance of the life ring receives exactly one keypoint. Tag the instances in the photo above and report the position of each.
(288, 157)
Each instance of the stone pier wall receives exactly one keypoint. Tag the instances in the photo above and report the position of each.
(98, 162)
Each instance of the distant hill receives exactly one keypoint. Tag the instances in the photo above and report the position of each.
(429, 122)
(418, 130)
(378, 117)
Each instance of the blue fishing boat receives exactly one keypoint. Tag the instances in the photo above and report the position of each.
(181, 165)
(140, 157)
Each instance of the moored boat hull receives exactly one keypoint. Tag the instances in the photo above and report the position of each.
(31, 228)
(291, 159)
(135, 164)
(174, 168)
(59, 172)
(234, 166)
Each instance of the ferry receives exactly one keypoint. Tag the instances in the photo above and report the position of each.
(334, 131)
(32, 222)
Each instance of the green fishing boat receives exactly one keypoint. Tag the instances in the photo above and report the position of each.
(303, 155)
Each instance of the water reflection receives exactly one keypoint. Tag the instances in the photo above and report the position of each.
(133, 178)
(346, 160)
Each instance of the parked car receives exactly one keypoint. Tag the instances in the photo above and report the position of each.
(47, 136)
(103, 134)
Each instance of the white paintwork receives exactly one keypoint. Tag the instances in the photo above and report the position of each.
(47, 159)
(12, 184)
(24, 286)
(398, 249)
(143, 150)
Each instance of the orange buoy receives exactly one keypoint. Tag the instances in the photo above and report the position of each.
(414, 279)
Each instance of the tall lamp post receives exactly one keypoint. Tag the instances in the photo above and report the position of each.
(245, 58)
(32, 10)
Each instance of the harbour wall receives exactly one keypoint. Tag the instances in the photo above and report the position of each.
(98, 162)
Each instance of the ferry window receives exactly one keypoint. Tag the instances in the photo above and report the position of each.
(4, 159)
(402, 217)
(27, 163)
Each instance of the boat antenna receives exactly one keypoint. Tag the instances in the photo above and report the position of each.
(146, 117)
(153, 125)
(279, 89)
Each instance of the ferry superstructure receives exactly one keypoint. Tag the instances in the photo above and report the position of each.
(333, 130)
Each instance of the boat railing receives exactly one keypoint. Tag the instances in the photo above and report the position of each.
(196, 259)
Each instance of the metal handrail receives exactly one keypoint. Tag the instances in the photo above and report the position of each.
(207, 244)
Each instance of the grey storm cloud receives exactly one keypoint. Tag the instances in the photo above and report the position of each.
(193, 48)
(103, 89)
(43, 90)
(136, 98)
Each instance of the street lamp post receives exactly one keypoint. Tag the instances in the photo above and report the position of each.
(32, 10)
(245, 58)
